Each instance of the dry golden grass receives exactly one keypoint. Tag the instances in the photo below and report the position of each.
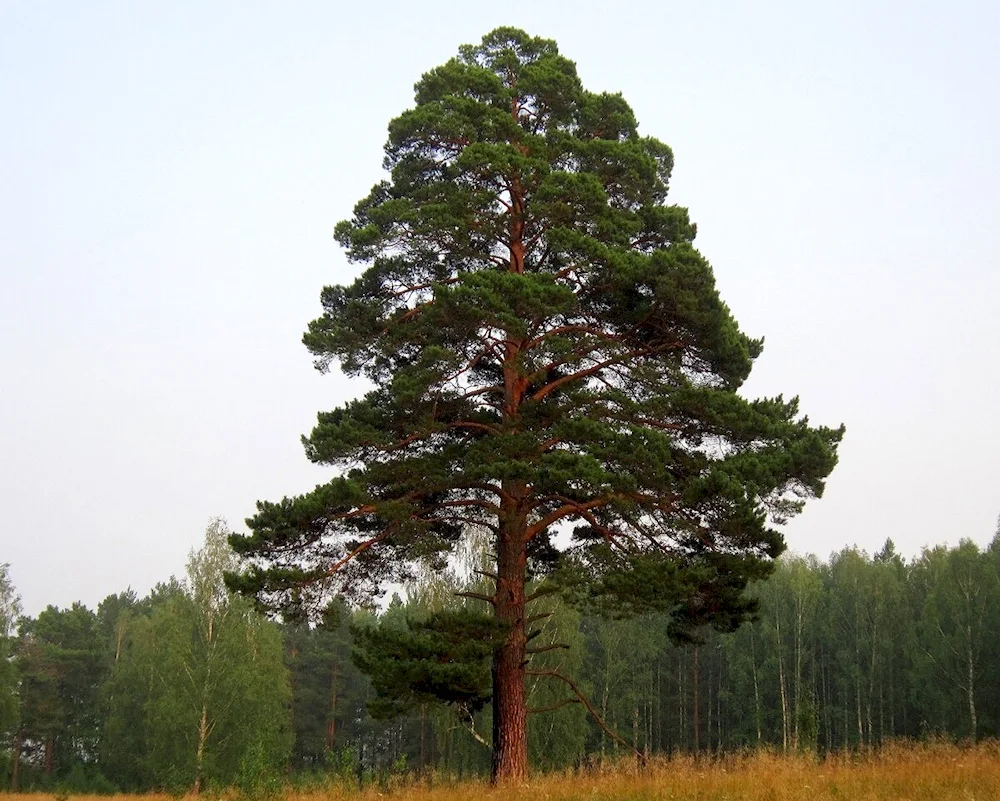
(903, 772)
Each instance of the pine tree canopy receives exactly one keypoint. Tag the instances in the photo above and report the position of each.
(549, 354)
(540, 329)
(444, 657)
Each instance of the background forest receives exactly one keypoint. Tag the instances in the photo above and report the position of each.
(189, 687)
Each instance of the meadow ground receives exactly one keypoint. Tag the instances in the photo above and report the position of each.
(901, 772)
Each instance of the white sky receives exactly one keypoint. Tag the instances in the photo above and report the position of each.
(170, 175)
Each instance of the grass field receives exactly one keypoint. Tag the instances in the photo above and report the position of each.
(936, 772)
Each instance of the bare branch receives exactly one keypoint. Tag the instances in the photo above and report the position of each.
(549, 444)
(543, 648)
(590, 708)
(417, 287)
(474, 502)
(478, 596)
(573, 329)
(487, 574)
(364, 546)
(569, 507)
(588, 371)
(472, 727)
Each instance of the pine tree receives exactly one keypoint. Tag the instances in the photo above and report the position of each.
(548, 350)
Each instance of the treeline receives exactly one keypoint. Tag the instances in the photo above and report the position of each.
(189, 687)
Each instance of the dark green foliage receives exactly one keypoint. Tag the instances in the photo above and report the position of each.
(548, 349)
(444, 657)
(60, 660)
(10, 611)
(846, 653)
(328, 691)
(534, 311)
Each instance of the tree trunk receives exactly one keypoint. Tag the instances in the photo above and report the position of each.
(657, 737)
(15, 768)
(331, 724)
(635, 725)
(971, 682)
(797, 678)
(758, 713)
(857, 703)
(423, 736)
(828, 710)
(510, 733)
(199, 758)
(696, 703)
(681, 701)
(857, 679)
(604, 711)
(782, 686)
(203, 727)
(708, 706)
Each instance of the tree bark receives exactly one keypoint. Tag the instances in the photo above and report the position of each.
(635, 725)
(199, 758)
(971, 682)
(758, 713)
(782, 685)
(696, 701)
(15, 768)
(797, 678)
(510, 733)
(423, 726)
(203, 723)
(331, 724)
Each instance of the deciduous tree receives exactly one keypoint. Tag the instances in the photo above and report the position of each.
(199, 691)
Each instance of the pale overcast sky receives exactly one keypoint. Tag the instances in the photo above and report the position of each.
(170, 175)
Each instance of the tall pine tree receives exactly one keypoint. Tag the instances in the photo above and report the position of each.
(548, 351)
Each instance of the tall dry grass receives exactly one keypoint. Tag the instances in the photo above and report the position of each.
(898, 772)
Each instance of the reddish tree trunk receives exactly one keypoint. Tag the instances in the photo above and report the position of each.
(510, 733)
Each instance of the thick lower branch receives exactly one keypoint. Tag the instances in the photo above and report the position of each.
(360, 549)
(568, 508)
(590, 708)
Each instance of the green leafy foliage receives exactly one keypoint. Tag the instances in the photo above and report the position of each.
(199, 691)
